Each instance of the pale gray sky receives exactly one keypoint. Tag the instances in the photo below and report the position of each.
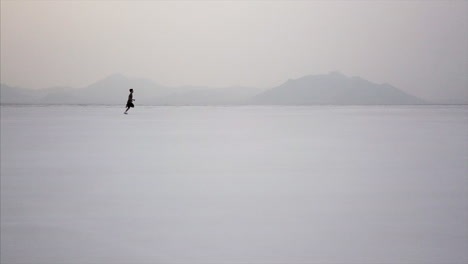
(418, 46)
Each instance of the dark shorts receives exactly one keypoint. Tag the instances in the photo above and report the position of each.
(130, 104)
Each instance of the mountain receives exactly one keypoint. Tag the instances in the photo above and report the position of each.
(114, 90)
(18, 95)
(334, 88)
(111, 90)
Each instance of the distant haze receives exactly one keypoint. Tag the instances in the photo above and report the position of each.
(421, 47)
(334, 88)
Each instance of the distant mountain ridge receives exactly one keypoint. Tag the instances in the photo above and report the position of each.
(332, 88)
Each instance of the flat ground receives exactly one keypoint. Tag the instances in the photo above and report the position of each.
(331, 184)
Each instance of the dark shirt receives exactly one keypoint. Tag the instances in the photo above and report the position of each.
(130, 98)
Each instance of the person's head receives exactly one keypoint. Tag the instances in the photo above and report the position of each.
(131, 90)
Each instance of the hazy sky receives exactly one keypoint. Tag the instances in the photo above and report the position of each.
(418, 46)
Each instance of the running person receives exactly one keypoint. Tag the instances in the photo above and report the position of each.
(130, 101)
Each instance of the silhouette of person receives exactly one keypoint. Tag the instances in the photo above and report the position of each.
(130, 101)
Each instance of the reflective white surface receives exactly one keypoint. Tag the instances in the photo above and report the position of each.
(242, 184)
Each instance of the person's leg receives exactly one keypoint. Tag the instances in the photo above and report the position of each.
(127, 109)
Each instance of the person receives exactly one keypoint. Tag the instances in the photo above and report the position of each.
(130, 101)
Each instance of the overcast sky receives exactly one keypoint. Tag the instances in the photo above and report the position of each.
(418, 46)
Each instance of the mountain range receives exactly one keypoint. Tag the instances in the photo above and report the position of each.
(332, 88)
